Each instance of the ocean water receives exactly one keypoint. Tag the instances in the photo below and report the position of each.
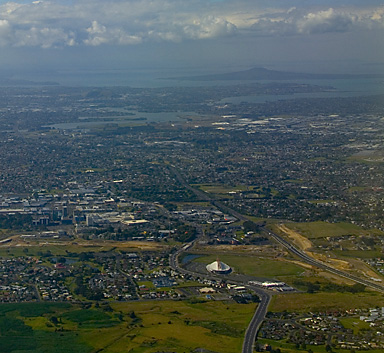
(158, 79)
(111, 78)
(341, 88)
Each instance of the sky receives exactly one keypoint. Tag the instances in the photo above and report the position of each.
(300, 35)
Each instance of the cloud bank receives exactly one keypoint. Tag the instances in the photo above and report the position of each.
(68, 23)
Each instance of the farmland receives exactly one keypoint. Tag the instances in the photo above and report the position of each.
(313, 230)
(115, 327)
(303, 302)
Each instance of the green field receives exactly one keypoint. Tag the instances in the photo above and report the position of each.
(177, 326)
(17, 335)
(290, 347)
(303, 302)
(255, 266)
(355, 324)
(55, 250)
(368, 156)
(90, 318)
(223, 189)
(182, 205)
(358, 189)
(314, 230)
(360, 254)
(183, 326)
(319, 202)
(34, 248)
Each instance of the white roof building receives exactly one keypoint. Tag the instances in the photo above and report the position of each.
(219, 267)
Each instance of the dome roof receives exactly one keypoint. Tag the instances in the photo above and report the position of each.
(218, 267)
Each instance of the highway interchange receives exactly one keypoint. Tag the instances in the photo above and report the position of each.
(264, 295)
(261, 310)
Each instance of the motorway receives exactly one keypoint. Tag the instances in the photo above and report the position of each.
(257, 319)
(204, 196)
(265, 297)
(310, 260)
(302, 255)
(261, 310)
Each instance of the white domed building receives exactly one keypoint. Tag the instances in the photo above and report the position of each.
(219, 267)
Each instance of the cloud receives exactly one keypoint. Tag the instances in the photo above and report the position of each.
(326, 21)
(208, 27)
(5, 31)
(42, 37)
(58, 23)
(297, 22)
(99, 34)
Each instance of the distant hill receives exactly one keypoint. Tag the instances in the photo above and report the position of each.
(259, 73)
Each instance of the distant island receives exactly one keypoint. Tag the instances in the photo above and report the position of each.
(259, 73)
(17, 82)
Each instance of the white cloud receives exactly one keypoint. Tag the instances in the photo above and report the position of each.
(5, 31)
(42, 37)
(208, 27)
(99, 34)
(298, 22)
(56, 23)
(326, 21)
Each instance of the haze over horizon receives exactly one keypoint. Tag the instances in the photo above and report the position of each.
(222, 35)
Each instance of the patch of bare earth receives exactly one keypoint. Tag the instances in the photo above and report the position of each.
(264, 251)
(351, 265)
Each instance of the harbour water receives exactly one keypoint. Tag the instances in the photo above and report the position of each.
(352, 87)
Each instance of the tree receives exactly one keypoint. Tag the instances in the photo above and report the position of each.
(312, 287)
(357, 287)
(185, 233)
(54, 320)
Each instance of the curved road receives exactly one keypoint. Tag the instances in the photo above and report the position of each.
(261, 310)
(265, 297)
(310, 260)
